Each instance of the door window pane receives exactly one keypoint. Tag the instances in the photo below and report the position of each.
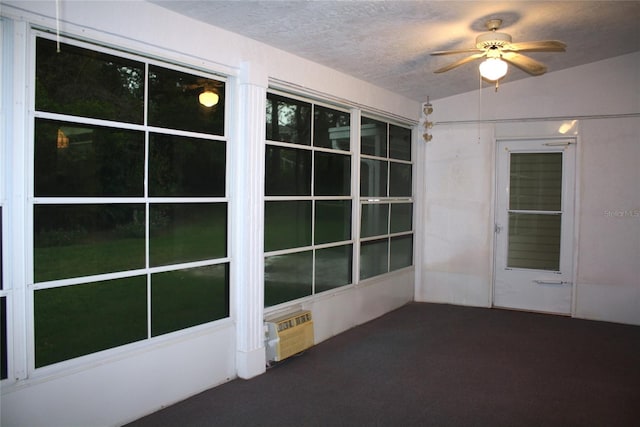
(72, 321)
(287, 224)
(399, 143)
(287, 277)
(288, 120)
(373, 178)
(73, 160)
(373, 137)
(399, 180)
(187, 232)
(333, 267)
(81, 82)
(174, 101)
(332, 174)
(534, 241)
(535, 181)
(331, 129)
(333, 221)
(81, 240)
(401, 252)
(189, 297)
(401, 217)
(187, 167)
(374, 258)
(287, 172)
(375, 220)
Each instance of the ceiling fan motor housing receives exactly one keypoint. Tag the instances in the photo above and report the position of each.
(492, 40)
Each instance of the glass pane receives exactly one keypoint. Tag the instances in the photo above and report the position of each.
(374, 257)
(333, 221)
(287, 225)
(187, 232)
(73, 321)
(534, 241)
(187, 167)
(189, 297)
(401, 252)
(373, 178)
(331, 129)
(373, 137)
(332, 174)
(288, 120)
(86, 83)
(81, 240)
(174, 101)
(287, 277)
(333, 267)
(401, 217)
(81, 160)
(287, 172)
(536, 181)
(3, 339)
(375, 220)
(399, 180)
(1, 255)
(399, 143)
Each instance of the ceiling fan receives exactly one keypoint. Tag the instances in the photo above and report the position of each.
(497, 48)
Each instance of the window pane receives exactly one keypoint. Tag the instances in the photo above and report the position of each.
(333, 221)
(80, 240)
(331, 129)
(3, 339)
(534, 241)
(287, 172)
(399, 143)
(187, 232)
(173, 101)
(288, 120)
(287, 277)
(187, 167)
(399, 180)
(86, 83)
(536, 181)
(82, 160)
(189, 297)
(375, 220)
(373, 178)
(333, 267)
(374, 257)
(332, 174)
(401, 252)
(72, 321)
(401, 217)
(1, 254)
(287, 225)
(373, 137)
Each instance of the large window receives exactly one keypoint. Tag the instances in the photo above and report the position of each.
(386, 198)
(130, 207)
(308, 201)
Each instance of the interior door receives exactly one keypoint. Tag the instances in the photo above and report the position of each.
(534, 225)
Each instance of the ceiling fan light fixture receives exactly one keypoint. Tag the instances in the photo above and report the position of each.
(493, 69)
(208, 98)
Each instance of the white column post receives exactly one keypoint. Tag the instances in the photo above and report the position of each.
(247, 219)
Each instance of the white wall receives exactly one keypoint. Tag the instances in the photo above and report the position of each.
(122, 384)
(459, 193)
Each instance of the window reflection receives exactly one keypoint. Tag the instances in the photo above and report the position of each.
(331, 129)
(399, 179)
(332, 174)
(373, 137)
(288, 172)
(401, 252)
(375, 219)
(287, 224)
(288, 120)
(333, 267)
(374, 258)
(373, 178)
(333, 221)
(287, 277)
(399, 143)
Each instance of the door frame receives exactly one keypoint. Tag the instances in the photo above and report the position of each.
(553, 139)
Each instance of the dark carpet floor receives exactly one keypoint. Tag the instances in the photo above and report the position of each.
(439, 365)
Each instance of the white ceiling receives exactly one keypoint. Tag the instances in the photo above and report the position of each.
(388, 42)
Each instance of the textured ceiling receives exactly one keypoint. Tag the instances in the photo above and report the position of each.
(388, 42)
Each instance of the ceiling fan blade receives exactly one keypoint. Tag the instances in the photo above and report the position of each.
(525, 63)
(451, 52)
(460, 62)
(538, 46)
